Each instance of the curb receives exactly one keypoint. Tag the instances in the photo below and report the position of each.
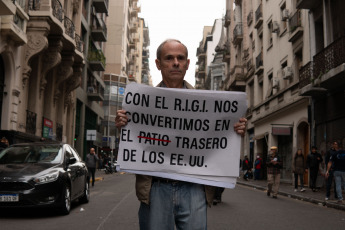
(298, 197)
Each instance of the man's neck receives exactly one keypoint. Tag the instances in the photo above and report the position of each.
(173, 84)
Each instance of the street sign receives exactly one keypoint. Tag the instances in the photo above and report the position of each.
(121, 90)
(91, 135)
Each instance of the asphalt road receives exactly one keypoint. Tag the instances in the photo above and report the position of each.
(113, 205)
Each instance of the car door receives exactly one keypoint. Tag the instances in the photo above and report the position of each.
(72, 169)
(80, 174)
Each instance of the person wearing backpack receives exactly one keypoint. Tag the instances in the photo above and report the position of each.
(338, 161)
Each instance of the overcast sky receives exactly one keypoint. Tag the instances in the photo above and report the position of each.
(180, 19)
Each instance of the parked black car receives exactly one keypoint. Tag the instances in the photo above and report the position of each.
(42, 174)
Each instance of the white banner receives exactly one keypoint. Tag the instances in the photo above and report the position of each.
(181, 132)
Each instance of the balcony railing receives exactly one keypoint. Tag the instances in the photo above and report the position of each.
(57, 9)
(31, 119)
(69, 27)
(295, 21)
(329, 58)
(238, 33)
(34, 4)
(79, 43)
(305, 75)
(96, 60)
(258, 17)
(95, 92)
(99, 29)
(259, 64)
(21, 3)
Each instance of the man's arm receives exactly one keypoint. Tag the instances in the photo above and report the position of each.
(329, 165)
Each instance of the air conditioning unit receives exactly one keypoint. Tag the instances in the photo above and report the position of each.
(90, 89)
(275, 27)
(285, 15)
(287, 73)
(275, 83)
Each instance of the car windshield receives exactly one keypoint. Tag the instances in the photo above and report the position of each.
(31, 154)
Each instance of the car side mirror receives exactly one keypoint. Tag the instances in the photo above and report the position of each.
(72, 160)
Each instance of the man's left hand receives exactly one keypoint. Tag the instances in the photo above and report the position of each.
(240, 126)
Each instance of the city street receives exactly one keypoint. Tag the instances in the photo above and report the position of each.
(113, 205)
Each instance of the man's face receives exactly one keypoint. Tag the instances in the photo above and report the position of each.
(313, 150)
(173, 62)
(92, 151)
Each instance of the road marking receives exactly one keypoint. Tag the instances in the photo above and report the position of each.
(114, 209)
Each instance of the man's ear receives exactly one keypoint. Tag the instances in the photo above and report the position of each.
(188, 61)
(158, 64)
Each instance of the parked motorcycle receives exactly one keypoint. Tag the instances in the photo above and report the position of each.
(110, 168)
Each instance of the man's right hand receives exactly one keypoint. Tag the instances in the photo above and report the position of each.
(121, 119)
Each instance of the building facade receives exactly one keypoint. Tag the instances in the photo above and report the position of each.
(41, 63)
(323, 78)
(268, 44)
(127, 61)
(90, 95)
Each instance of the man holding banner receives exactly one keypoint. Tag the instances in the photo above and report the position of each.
(170, 198)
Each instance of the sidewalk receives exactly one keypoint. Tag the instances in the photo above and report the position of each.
(288, 191)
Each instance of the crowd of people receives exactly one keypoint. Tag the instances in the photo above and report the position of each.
(324, 169)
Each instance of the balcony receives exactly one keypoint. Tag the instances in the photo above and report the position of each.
(101, 6)
(296, 29)
(238, 34)
(69, 27)
(98, 30)
(258, 17)
(14, 25)
(58, 11)
(95, 92)
(308, 4)
(227, 18)
(7, 7)
(237, 79)
(96, 60)
(133, 26)
(325, 71)
(259, 64)
(79, 43)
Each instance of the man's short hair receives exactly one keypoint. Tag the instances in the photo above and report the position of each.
(160, 47)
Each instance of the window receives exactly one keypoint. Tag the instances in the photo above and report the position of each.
(284, 18)
(269, 34)
(270, 85)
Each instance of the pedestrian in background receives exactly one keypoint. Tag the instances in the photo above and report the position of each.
(159, 210)
(91, 163)
(258, 166)
(330, 177)
(246, 167)
(338, 162)
(274, 165)
(299, 168)
(313, 163)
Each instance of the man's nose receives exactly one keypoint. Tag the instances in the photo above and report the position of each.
(176, 63)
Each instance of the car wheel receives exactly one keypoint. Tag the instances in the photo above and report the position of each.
(66, 201)
(86, 196)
